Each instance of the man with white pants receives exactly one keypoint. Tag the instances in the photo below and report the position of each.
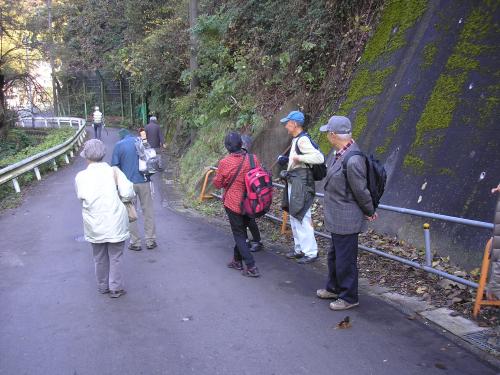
(300, 191)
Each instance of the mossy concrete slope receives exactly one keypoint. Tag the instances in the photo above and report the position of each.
(424, 100)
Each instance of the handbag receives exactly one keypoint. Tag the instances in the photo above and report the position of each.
(129, 205)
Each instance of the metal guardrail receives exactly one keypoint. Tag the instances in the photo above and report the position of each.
(13, 171)
(428, 253)
(48, 122)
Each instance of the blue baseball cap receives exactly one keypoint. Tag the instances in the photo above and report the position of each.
(296, 116)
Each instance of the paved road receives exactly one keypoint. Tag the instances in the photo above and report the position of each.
(185, 312)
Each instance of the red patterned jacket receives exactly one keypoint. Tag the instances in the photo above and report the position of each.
(226, 169)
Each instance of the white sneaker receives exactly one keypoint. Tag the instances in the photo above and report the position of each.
(325, 294)
(340, 304)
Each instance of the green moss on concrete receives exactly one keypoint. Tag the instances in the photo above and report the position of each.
(446, 172)
(361, 120)
(414, 163)
(468, 47)
(438, 112)
(397, 17)
(488, 106)
(429, 54)
(406, 102)
(365, 84)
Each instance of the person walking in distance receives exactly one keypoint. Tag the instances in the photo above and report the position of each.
(154, 134)
(97, 122)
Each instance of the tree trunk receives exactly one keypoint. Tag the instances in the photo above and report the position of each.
(193, 58)
(3, 118)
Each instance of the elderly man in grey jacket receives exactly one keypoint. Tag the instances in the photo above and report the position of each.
(348, 206)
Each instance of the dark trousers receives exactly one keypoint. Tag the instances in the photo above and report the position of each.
(343, 267)
(97, 131)
(239, 224)
(254, 230)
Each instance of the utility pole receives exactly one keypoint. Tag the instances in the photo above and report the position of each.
(28, 78)
(51, 56)
(193, 48)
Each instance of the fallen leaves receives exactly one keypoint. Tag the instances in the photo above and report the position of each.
(344, 324)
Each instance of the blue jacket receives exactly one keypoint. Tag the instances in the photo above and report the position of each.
(125, 157)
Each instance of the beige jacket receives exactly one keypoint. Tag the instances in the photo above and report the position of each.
(309, 154)
(105, 217)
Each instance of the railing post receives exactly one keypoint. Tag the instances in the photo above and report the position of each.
(66, 159)
(54, 164)
(46, 123)
(71, 153)
(205, 182)
(428, 252)
(37, 173)
(16, 185)
(283, 224)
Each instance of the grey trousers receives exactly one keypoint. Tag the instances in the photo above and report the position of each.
(143, 192)
(107, 259)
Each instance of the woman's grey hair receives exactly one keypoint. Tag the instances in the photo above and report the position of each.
(93, 150)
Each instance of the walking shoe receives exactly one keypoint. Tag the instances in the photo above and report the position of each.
(326, 294)
(117, 293)
(237, 265)
(151, 245)
(251, 272)
(103, 291)
(305, 260)
(293, 255)
(340, 304)
(256, 246)
(135, 247)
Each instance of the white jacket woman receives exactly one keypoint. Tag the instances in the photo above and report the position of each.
(101, 189)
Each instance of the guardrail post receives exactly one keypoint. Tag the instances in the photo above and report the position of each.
(16, 185)
(428, 252)
(71, 153)
(37, 173)
(54, 164)
(66, 159)
(46, 123)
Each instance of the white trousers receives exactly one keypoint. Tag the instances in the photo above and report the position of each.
(303, 233)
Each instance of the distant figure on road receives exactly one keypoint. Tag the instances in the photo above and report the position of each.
(494, 282)
(230, 176)
(348, 205)
(105, 221)
(97, 120)
(125, 157)
(299, 193)
(154, 134)
(255, 243)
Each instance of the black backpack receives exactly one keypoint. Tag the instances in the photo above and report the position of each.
(375, 174)
(318, 170)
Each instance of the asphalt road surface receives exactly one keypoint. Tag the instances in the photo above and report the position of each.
(185, 312)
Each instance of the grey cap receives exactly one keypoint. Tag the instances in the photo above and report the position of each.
(338, 125)
(153, 118)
